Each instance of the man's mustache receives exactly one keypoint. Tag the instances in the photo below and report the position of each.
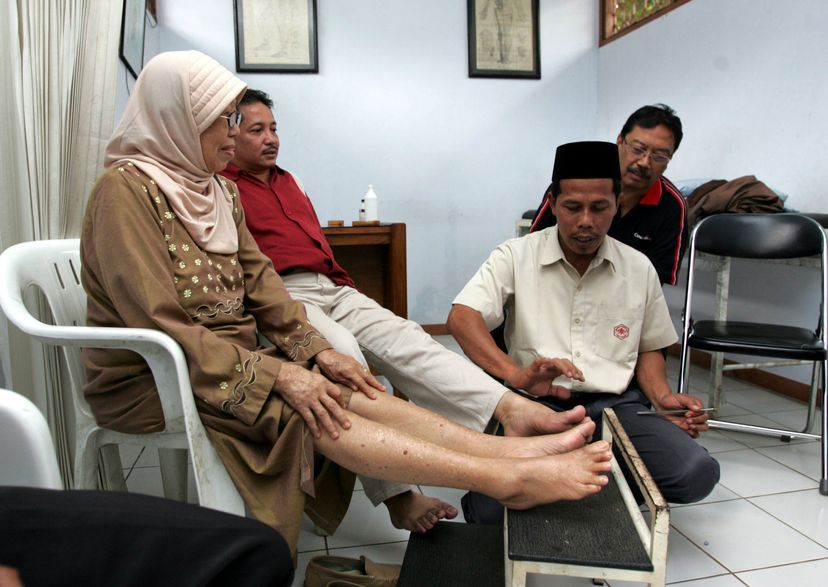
(639, 171)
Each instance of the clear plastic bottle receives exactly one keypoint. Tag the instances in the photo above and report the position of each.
(370, 204)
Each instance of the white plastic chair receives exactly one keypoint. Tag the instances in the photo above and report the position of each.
(27, 455)
(53, 266)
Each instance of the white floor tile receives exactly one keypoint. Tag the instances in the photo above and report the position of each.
(714, 441)
(806, 511)
(308, 540)
(718, 581)
(146, 480)
(750, 439)
(760, 400)
(749, 473)
(795, 419)
(729, 409)
(719, 493)
(685, 561)
(809, 573)
(130, 454)
(365, 524)
(802, 457)
(740, 536)
(140, 456)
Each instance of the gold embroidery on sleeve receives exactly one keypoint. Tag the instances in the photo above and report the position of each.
(247, 378)
(299, 344)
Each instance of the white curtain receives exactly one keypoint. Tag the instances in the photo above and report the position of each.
(58, 69)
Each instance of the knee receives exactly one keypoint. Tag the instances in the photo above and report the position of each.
(481, 509)
(694, 478)
(267, 557)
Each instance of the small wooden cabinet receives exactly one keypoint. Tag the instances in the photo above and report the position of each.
(375, 258)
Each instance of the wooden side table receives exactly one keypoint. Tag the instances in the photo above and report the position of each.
(375, 258)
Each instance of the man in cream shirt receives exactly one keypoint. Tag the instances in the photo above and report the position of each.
(586, 324)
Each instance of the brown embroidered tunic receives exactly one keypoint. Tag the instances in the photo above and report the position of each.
(141, 268)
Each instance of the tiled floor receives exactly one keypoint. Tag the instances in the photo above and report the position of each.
(765, 525)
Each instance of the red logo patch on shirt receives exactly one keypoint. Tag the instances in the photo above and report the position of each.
(621, 331)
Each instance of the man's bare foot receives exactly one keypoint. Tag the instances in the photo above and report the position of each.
(416, 512)
(551, 444)
(569, 476)
(523, 417)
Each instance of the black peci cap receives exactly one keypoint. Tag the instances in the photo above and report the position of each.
(587, 160)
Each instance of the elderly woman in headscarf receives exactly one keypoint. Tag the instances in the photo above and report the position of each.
(164, 246)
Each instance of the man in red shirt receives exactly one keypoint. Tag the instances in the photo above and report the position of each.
(281, 218)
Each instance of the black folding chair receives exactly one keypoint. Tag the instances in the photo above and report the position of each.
(762, 236)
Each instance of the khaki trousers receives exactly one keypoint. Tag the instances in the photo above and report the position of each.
(413, 362)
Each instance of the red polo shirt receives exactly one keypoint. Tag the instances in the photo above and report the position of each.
(281, 218)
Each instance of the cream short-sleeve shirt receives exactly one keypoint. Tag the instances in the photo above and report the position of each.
(600, 321)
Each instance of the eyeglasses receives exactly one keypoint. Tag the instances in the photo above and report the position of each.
(233, 119)
(639, 152)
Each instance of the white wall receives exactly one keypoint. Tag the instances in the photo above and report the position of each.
(457, 159)
(747, 78)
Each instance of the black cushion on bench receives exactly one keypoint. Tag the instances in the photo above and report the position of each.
(595, 531)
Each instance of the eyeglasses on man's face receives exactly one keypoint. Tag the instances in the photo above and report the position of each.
(233, 119)
(639, 151)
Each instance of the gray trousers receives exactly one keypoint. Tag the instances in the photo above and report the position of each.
(683, 469)
(413, 362)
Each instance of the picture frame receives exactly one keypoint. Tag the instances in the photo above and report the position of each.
(133, 29)
(276, 36)
(504, 39)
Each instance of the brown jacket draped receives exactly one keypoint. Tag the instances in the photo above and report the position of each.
(743, 194)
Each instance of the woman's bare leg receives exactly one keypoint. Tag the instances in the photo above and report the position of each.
(427, 425)
(383, 452)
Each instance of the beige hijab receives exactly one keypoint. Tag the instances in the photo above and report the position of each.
(176, 98)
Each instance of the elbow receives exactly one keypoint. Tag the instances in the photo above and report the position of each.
(452, 320)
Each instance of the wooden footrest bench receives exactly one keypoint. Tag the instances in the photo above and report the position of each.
(603, 536)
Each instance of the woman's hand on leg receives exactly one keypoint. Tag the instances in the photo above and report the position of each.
(317, 400)
(348, 371)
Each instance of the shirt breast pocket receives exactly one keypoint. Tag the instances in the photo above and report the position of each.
(617, 332)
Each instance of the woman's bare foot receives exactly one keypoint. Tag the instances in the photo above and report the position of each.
(416, 512)
(569, 476)
(523, 417)
(551, 444)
